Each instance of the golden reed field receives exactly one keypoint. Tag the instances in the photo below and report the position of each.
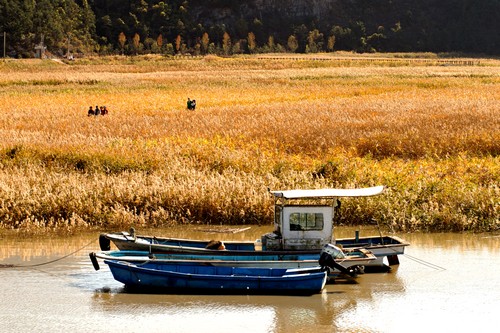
(427, 128)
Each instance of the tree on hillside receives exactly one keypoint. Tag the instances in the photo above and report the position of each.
(344, 38)
(292, 44)
(376, 41)
(87, 28)
(258, 29)
(136, 42)
(77, 24)
(301, 32)
(16, 20)
(60, 22)
(159, 43)
(241, 28)
(159, 15)
(178, 42)
(314, 42)
(251, 42)
(226, 43)
(270, 46)
(122, 39)
(331, 43)
(205, 41)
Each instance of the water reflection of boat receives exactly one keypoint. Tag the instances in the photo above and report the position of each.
(338, 306)
(303, 224)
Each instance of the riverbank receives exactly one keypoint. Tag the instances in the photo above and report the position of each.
(428, 132)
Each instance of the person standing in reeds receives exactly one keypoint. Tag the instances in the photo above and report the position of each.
(191, 104)
(97, 111)
(90, 112)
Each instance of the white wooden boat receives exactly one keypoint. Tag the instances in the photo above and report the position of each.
(304, 222)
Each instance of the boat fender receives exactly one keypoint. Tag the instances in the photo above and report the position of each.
(215, 245)
(93, 258)
(104, 243)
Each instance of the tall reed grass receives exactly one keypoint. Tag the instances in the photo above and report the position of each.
(431, 133)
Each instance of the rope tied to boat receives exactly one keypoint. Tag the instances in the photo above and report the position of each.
(418, 260)
(47, 262)
(425, 263)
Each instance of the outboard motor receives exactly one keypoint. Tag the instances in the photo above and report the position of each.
(327, 259)
(335, 251)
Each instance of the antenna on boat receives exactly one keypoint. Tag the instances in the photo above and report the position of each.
(379, 232)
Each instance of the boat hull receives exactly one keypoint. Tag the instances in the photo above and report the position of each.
(177, 278)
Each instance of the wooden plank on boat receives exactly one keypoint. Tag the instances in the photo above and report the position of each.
(224, 231)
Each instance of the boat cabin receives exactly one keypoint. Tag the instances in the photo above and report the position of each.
(303, 219)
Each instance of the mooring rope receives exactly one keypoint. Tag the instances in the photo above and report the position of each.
(418, 260)
(47, 262)
(425, 263)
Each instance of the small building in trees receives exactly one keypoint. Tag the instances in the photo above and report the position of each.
(40, 50)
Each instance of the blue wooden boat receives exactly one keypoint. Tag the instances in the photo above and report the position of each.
(171, 277)
(344, 263)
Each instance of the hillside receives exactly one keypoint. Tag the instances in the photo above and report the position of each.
(251, 26)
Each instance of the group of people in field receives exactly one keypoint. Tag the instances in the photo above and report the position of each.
(97, 111)
(191, 104)
(102, 110)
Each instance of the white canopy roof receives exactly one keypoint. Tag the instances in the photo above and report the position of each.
(329, 193)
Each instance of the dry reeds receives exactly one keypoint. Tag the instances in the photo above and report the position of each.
(431, 133)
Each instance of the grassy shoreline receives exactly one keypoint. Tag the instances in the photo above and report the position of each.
(430, 133)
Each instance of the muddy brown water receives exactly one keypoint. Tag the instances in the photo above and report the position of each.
(445, 283)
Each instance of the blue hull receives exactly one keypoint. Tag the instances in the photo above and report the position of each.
(181, 278)
(260, 259)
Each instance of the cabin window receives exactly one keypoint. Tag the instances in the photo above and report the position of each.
(306, 221)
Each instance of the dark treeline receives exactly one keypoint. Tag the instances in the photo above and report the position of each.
(251, 26)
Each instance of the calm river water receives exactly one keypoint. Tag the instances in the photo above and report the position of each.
(444, 283)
